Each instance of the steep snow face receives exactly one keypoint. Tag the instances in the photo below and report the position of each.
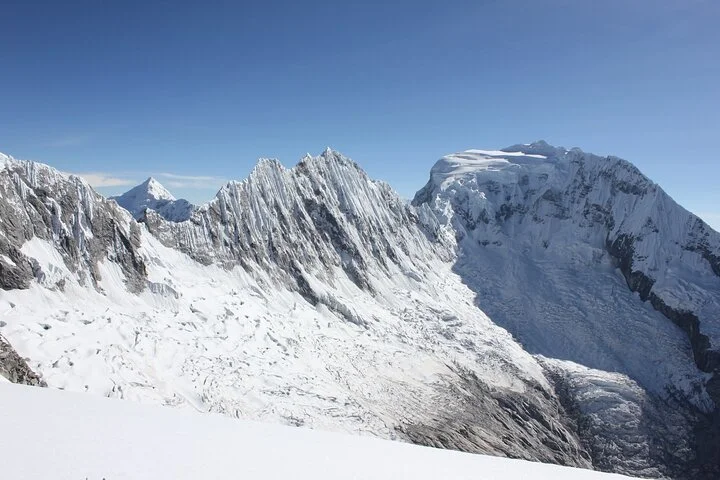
(578, 206)
(63, 429)
(554, 242)
(309, 296)
(152, 195)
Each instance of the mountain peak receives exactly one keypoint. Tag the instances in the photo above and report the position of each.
(539, 147)
(151, 194)
(154, 189)
(330, 153)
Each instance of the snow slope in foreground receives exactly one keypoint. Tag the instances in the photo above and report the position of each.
(62, 435)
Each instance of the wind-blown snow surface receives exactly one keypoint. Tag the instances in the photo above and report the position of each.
(60, 435)
(152, 195)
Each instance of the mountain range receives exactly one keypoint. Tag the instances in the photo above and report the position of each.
(532, 302)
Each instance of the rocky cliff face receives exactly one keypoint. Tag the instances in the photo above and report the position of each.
(14, 368)
(37, 201)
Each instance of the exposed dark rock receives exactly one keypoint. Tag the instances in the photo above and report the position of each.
(478, 418)
(623, 250)
(18, 272)
(706, 358)
(38, 201)
(14, 368)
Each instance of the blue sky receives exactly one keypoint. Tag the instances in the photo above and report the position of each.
(194, 93)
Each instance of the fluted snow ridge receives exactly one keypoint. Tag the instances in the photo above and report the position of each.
(38, 201)
(322, 213)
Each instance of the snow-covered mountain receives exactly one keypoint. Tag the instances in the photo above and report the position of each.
(583, 258)
(494, 315)
(46, 214)
(152, 195)
(341, 315)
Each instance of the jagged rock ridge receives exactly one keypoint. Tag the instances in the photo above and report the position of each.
(38, 202)
(323, 213)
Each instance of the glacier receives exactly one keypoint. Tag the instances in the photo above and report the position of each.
(584, 259)
(532, 302)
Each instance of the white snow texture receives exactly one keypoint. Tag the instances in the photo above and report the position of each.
(315, 296)
(77, 436)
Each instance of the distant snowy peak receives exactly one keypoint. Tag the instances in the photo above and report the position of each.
(149, 191)
(155, 190)
(152, 195)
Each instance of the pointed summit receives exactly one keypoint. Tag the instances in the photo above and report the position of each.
(154, 189)
(330, 153)
(4, 159)
(151, 194)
